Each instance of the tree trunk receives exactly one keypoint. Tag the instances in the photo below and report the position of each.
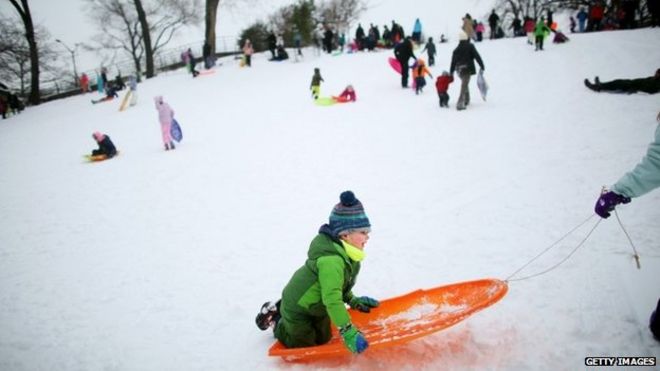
(146, 37)
(24, 12)
(211, 13)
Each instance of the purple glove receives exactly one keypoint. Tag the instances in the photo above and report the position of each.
(607, 201)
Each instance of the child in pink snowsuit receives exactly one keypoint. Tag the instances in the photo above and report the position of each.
(165, 115)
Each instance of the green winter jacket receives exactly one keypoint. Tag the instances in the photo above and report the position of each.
(645, 176)
(323, 284)
(541, 30)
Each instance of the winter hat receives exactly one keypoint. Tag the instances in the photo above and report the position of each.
(158, 99)
(98, 136)
(445, 73)
(348, 215)
(462, 36)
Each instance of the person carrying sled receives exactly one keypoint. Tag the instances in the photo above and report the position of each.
(419, 71)
(315, 85)
(403, 51)
(106, 147)
(642, 179)
(650, 85)
(165, 116)
(442, 86)
(316, 296)
(462, 61)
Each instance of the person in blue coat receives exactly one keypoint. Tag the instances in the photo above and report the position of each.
(417, 31)
(644, 178)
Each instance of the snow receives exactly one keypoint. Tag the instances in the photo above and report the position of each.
(160, 260)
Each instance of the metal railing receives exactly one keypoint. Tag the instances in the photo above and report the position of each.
(165, 59)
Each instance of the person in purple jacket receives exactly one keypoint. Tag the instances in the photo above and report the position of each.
(165, 116)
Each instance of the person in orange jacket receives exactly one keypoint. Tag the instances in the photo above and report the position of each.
(442, 85)
(419, 71)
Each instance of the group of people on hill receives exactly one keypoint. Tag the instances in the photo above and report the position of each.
(462, 62)
(316, 296)
(599, 15)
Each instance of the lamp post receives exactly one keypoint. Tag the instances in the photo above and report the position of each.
(73, 58)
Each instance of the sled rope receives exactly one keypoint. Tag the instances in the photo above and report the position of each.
(635, 254)
(509, 279)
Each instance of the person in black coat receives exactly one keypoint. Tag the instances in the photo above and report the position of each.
(403, 52)
(272, 43)
(106, 147)
(462, 61)
(650, 85)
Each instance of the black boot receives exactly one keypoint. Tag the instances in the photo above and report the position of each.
(591, 86)
(172, 145)
(269, 315)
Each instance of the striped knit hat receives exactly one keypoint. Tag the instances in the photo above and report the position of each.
(348, 215)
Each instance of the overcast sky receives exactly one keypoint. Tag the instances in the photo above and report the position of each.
(66, 19)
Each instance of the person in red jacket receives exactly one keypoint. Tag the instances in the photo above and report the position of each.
(348, 95)
(442, 85)
(596, 14)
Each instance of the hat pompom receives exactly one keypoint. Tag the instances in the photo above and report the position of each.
(347, 198)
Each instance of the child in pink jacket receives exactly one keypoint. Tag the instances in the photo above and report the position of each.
(165, 115)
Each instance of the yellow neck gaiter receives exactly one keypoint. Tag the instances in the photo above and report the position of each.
(353, 252)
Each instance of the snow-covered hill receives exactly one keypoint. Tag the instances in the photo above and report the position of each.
(159, 260)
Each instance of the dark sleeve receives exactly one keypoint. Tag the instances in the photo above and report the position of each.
(452, 67)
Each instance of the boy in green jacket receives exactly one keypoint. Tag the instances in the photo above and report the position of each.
(317, 293)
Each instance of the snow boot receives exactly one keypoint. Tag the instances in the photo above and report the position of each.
(594, 87)
(269, 315)
(172, 145)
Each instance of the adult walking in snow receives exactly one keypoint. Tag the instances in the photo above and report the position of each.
(165, 116)
(417, 31)
(650, 85)
(468, 26)
(315, 298)
(493, 20)
(403, 51)
(462, 61)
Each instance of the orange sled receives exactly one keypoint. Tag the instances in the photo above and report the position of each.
(402, 319)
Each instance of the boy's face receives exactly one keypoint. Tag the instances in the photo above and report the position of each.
(357, 239)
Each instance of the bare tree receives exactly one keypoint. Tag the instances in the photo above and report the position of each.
(23, 10)
(122, 27)
(211, 14)
(209, 23)
(15, 55)
(146, 37)
(341, 13)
